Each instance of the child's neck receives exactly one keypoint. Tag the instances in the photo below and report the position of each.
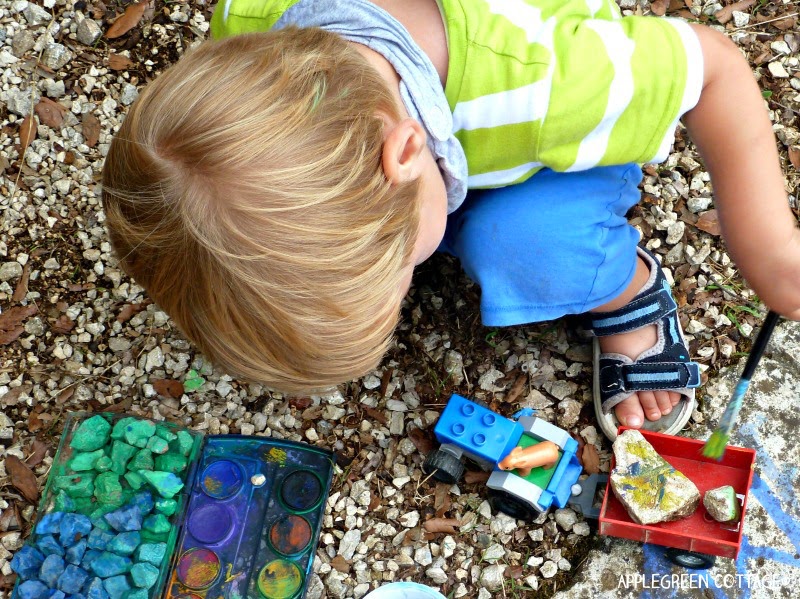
(424, 22)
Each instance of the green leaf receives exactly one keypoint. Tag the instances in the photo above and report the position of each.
(766, 94)
(193, 381)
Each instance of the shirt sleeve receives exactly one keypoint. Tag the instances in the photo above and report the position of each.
(619, 88)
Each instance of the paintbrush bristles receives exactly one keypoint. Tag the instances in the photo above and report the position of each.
(716, 445)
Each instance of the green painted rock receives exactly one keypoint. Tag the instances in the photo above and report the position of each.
(166, 506)
(164, 432)
(184, 442)
(121, 453)
(722, 504)
(76, 485)
(103, 464)
(108, 489)
(86, 460)
(156, 524)
(142, 460)
(144, 575)
(135, 480)
(91, 434)
(138, 432)
(157, 445)
(136, 594)
(152, 553)
(166, 484)
(171, 462)
(647, 485)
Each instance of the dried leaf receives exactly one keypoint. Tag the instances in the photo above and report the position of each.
(517, 388)
(62, 325)
(786, 23)
(301, 403)
(794, 156)
(27, 132)
(709, 222)
(726, 14)
(385, 380)
(341, 564)
(12, 397)
(590, 459)
(168, 387)
(119, 62)
(445, 525)
(91, 129)
(21, 289)
(65, 394)
(476, 476)
(376, 415)
(39, 450)
(659, 7)
(11, 322)
(23, 479)
(130, 310)
(127, 21)
(441, 499)
(50, 113)
(421, 441)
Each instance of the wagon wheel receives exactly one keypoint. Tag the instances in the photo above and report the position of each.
(501, 501)
(443, 466)
(691, 559)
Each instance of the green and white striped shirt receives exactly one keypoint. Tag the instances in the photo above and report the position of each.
(564, 84)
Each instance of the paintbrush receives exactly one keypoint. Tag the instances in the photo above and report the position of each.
(715, 446)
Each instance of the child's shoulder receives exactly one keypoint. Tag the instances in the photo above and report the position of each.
(235, 17)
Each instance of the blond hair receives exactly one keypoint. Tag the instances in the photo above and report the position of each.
(245, 192)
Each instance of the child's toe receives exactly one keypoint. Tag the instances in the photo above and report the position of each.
(629, 412)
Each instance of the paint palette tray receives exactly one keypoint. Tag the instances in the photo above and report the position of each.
(138, 509)
(252, 521)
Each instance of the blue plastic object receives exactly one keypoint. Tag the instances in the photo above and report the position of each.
(478, 431)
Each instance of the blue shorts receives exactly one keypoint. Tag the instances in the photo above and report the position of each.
(557, 244)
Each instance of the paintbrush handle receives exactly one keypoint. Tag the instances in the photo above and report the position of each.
(760, 344)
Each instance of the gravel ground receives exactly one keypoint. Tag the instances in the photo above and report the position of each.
(75, 333)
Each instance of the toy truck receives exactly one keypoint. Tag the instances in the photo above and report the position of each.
(468, 430)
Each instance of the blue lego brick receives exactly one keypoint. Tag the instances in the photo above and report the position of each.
(559, 490)
(479, 432)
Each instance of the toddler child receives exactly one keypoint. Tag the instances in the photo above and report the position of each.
(275, 188)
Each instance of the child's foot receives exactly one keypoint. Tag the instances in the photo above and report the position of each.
(644, 404)
(642, 366)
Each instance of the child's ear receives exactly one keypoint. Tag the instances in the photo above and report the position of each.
(403, 147)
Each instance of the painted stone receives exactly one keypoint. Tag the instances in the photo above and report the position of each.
(171, 462)
(121, 452)
(126, 518)
(722, 504)
(116, 586)
(33, 589)
(52, 568)
(50, 523)
(152, 553)
(144, 575)
(27, 561)
(166, 483)
(110, 564)
(86, 460)
(72, 579)
(91, 435)
(74, 554)
(73, 528)
(95, 589)
(108, 489)
(649, 488)
(125, 543)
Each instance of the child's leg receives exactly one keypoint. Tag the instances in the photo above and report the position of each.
(560, 244)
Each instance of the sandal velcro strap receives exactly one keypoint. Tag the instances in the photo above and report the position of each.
(648, 308)
(641, 376)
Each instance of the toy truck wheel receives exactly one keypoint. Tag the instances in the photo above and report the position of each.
(443, 466)
(691, 559)
(510, 505)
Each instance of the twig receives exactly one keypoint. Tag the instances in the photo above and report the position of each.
(794, 14)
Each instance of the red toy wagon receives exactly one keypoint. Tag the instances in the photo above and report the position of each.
(698, 539)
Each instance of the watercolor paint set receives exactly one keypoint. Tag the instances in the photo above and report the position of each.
(138, 509)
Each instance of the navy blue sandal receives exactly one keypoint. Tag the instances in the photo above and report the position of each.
(665, 366)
